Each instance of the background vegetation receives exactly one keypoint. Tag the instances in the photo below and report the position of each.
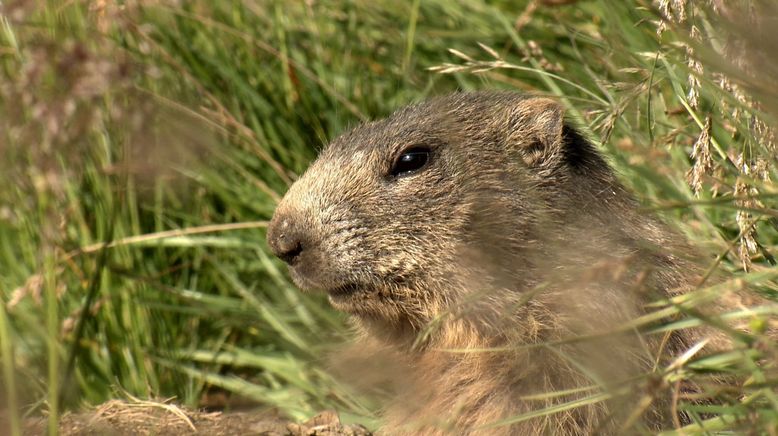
(145, 143)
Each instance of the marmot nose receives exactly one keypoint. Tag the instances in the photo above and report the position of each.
(286, 240)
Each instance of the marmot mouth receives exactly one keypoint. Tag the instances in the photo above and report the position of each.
(344, 289)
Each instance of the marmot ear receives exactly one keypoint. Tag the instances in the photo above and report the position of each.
(536, 129)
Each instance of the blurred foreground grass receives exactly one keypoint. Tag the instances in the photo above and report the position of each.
(145, 144)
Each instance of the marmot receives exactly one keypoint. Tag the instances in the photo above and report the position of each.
(487, 248)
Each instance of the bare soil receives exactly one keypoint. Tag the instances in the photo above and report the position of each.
(125, 418)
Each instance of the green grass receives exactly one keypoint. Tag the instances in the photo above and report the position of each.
(143, 151)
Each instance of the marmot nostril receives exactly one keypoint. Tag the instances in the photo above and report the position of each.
(290, 253)
(286, 241)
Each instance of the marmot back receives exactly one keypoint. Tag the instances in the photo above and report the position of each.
(473, 237)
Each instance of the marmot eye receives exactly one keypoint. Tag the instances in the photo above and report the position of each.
(411, 161)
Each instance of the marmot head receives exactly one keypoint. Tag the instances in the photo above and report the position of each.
(397, 218)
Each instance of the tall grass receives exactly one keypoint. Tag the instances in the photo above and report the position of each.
(145, 146)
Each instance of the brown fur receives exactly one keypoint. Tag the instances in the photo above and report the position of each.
(516, 237)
